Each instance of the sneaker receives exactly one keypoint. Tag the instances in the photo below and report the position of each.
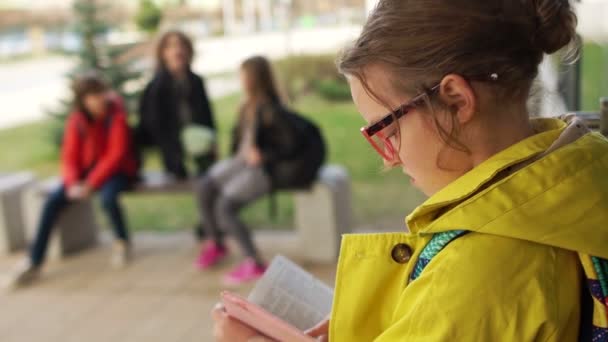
(25, 275)
(121, 254)
(246, 272)
(211, 254)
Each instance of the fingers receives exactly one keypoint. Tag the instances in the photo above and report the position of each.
(219, 312)
(319, 330)
(219, 316)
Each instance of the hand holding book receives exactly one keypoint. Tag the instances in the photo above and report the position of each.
(320, 332)
(286, 302)
(230, 329)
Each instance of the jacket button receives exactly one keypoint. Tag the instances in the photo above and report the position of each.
(401, 253)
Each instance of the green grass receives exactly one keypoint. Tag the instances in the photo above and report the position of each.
(377, 196)
(595, 75)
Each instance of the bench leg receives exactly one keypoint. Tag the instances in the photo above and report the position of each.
(12, 236)
(76, 228)
(12, 225)
(321, 217)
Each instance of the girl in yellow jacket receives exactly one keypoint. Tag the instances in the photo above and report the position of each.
(510, 244)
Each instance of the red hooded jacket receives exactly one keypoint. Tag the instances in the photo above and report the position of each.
(96, 149)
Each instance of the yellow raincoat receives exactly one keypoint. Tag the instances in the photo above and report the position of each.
(531, 209)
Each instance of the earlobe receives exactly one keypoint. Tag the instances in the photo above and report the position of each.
(458, 95)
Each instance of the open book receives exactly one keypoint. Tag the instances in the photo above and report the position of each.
(286, 301)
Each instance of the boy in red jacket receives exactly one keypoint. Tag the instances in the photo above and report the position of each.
(96, 156)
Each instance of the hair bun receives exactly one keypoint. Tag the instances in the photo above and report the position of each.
(556, 24)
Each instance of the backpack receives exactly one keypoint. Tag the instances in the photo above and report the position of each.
(310, 153)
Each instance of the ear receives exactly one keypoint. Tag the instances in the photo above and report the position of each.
(458, 95)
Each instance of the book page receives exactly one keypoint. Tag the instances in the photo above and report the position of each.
(292, 294)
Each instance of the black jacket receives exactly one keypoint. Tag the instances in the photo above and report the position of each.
(277, 142)
(159, 121)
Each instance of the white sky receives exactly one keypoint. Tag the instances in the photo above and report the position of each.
(593, 19)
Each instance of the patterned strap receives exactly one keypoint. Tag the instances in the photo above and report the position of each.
(437, 243)
(597, 278)
(601, 268)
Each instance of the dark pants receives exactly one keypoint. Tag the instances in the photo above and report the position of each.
(58, 200)
(228, 187)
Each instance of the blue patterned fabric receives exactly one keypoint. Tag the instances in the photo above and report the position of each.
(600, 334)
(437, 243)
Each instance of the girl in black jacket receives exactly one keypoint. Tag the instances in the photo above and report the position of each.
(173, 102)
(263, 141)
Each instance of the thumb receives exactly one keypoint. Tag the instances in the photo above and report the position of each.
(319, 330)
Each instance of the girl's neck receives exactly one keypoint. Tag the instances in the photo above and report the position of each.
(502, 131)
(255, 99)
(178, 74)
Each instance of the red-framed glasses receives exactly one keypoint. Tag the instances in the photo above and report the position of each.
(375, 134)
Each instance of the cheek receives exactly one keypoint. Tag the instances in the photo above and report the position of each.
(95, 104)
(420, 145)
(173, 54)
(246, 83)
(180, 55)
(167, 55)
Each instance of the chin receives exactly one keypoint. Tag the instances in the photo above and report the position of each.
(416, 184)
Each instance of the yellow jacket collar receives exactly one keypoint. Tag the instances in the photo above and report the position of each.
(559, 198)
(473, 180)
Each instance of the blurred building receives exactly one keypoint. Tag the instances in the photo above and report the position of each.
(39, 26)
(246, 16)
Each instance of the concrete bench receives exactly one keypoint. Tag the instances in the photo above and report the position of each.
(322, 215)
(156, 182)
(76, 229)
(12, 225)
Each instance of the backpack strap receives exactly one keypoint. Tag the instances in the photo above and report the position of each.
(436, 245)
(594, 306)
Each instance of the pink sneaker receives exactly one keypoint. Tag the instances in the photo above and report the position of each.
(246, 272)
(210, 255)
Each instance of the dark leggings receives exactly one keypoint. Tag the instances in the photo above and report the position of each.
(58, 200)
(228, 187)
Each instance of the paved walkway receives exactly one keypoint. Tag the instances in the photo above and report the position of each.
(160, 297)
